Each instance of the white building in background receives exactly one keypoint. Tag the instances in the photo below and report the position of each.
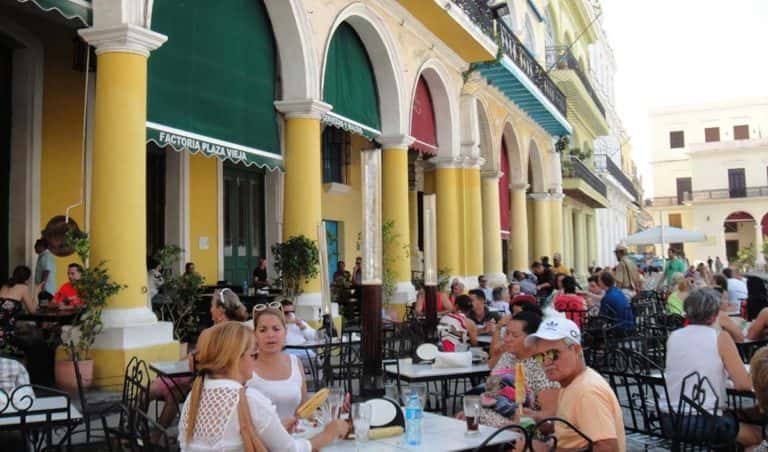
(611, 157)
(710, 174)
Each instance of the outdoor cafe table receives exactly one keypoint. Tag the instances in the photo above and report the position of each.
(414, 373)
(170, 373)
(59, 316)
(43, 416)
(438, 433)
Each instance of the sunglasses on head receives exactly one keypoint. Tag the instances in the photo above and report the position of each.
(552, 355)
(272, 305)
(221, 295)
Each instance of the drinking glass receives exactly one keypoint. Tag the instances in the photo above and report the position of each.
(361, 418)
(472, 414)
(421, 390)
(390, 391)
(335, 401)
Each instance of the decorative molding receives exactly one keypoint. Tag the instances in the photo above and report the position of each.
(519, 186)
(302, 108)
(447, 162)
(473, 162)
(395, 141)
(124, 38)
(541, 196)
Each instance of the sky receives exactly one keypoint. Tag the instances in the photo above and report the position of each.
(672, 52)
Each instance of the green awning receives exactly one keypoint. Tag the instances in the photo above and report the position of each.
(211, 86)
(350, 86)
(79, 10)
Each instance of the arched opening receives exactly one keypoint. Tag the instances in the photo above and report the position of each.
(739, 229)
(512, 178)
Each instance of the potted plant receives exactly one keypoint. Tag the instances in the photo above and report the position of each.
(182, 292)
(296, 261)
(95, 287)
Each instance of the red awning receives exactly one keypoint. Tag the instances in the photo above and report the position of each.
(423, 120)
(504, 189)
(738, 217)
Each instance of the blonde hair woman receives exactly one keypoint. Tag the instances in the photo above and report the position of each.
(226, 305)
(221, 415)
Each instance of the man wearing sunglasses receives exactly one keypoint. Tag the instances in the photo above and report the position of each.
(585, 400)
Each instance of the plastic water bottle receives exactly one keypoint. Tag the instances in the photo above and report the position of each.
(245, 287)
(413, 417)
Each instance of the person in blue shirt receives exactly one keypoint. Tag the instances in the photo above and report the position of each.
(615, 305)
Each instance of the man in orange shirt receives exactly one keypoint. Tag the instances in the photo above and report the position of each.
(67, 296)
(585, 399)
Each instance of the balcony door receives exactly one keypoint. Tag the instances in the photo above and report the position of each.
(683, 189)
(244, 240)
(737, 183)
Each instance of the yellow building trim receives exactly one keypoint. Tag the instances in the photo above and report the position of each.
(438, 19)
(203, 205)
(577, 188)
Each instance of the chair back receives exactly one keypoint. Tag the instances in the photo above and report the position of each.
(548, 437)
(135, 393)
(23, 404)
(526, 439)
(694, 423)
(385, 412)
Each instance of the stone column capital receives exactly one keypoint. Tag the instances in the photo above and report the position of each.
(542, 196)
(518, 186)
(123, 38)
(491, 174)
(395, 141)
(473, 162)
(302, 108)
(557, 196)
(447, 162)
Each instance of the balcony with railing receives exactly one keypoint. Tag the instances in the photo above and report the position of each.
(606, 165)
(466, 26)
(525, 82)
(730, 193)
(581, 183)
(573, 80)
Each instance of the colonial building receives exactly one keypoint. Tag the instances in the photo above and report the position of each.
(710, 174)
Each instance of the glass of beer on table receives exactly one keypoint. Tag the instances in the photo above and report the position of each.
(472, 414)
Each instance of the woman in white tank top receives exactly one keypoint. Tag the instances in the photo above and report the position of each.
(279, 376)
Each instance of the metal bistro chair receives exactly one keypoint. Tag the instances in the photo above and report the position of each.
(37, 422)
(526, 437)
(133, 407)
(693, 420)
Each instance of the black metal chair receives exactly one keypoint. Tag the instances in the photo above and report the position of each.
(485, 445)
(22, 411)
(549, 436)
(149, 436)
(696, 428)
(133, 406)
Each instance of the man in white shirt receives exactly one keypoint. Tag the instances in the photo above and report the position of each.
(45, 270)
(297, 333)
(482, 282)
(737, 290)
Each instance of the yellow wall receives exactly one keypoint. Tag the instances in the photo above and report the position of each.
(62, 129)
(346, 208)
(203, 205)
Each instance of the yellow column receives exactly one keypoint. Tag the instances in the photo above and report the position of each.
(473, 222)
(580, 244)
(118, 200)
(568, 237)
(518, 227)
(395, 208)
(302, 191)
(413, 218)
(446, 187)
(541, 222)
(556, 222)
(492, 261)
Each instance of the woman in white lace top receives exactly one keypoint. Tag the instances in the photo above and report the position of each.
(221, 415)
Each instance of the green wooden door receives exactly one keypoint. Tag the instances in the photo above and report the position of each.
(244, 240)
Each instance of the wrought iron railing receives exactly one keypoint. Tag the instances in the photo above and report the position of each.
(669, 201)
(727, 193)
(581, 171)
(605, 163)
(517, 52)
(560, 57)
(479, 12)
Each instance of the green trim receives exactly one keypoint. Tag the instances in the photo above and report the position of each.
(216, 75)
(340, 122)
(349, 84)
(180, 140)
(80, 10)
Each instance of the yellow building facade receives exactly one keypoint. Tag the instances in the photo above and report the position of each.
(243, 149)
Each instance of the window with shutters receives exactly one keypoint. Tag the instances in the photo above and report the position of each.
(684, 188)
(711, 134)
(737, 183)
(741, 132)
(676, 220)
(677, 139)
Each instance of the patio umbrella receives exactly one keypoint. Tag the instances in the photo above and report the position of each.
(664, 234)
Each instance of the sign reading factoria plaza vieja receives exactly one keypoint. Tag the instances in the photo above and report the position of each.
(181, 140)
